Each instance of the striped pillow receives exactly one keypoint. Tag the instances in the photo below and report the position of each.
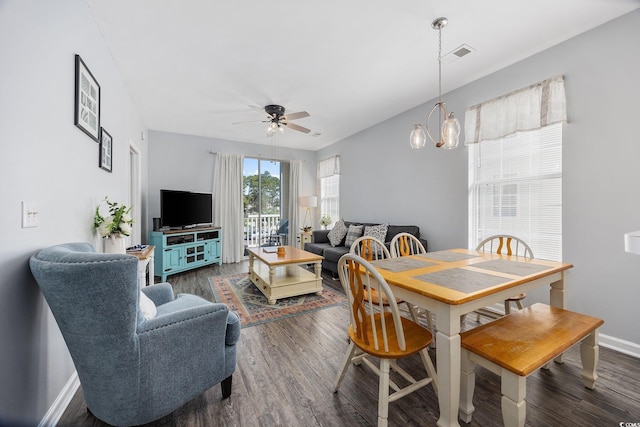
(354, 232)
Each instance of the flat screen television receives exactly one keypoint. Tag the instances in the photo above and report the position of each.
(183, 209)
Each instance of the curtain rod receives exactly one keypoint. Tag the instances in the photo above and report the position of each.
(261, 158)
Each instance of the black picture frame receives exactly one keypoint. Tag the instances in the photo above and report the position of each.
(87, 101)
(106, 151)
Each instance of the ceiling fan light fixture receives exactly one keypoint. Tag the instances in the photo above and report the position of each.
(271, 129)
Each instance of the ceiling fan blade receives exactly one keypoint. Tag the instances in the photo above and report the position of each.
(248, 121)
(296, 127)
(294, 116)
(256, 108)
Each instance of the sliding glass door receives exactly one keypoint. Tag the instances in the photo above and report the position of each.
(265, 184)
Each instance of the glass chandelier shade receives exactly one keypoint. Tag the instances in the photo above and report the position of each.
(450, 132)
(418, 137)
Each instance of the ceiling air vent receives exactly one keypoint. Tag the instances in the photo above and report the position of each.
(457, 53)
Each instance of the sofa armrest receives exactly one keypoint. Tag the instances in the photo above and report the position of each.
(320, 236)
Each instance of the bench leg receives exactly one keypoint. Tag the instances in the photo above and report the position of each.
(467, 387)
(514, 407)
(590, 353)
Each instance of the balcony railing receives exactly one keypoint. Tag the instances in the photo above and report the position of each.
(258, 228)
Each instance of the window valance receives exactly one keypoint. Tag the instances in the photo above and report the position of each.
(529, 108)
(329, 167)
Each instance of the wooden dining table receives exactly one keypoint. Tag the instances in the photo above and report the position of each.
(455, 282)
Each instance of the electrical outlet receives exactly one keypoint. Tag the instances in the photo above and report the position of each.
(29, 214)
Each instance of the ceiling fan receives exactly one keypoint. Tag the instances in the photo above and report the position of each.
(278, 120)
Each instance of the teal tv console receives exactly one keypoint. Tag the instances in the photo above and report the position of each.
(181, 250)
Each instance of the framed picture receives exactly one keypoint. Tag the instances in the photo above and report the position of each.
(87, 101)
(106, 150)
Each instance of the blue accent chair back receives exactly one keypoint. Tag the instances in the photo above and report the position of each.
(134, 370)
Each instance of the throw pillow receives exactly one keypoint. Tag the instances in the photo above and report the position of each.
(354, 232)
(337, 233)
(377, 231)
(147, 307)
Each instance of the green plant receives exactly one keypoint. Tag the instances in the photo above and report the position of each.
(117, 222)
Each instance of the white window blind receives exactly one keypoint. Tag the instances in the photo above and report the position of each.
(515, 187)
(329, 176)
(330, 197)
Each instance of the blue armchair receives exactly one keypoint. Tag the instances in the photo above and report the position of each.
(134, 370)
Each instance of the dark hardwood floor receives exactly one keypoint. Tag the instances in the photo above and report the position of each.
(286, 370)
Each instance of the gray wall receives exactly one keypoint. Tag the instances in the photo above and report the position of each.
(185, 162)
(46, 159)
(384, 180)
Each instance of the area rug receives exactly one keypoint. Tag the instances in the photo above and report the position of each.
(251, 305)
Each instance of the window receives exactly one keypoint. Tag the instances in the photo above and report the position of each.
(330, 197)
(515, 187)
(329, 176)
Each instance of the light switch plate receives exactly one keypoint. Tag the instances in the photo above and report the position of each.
(29, 214)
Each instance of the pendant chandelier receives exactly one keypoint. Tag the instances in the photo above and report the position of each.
(449, 129)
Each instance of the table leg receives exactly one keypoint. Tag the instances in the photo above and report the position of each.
(318, 271)
(272, 275)
(557, 293)
(152, 269)
(557, 299)
(142, 268)
(448, 361)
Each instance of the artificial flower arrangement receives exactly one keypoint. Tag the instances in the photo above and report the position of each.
(325, 220)
(117, 222)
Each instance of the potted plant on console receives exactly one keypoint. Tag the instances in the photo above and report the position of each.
(114, 226)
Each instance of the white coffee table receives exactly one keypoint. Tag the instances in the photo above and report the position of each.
(281, 276)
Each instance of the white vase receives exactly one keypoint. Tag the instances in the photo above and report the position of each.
(114, 244)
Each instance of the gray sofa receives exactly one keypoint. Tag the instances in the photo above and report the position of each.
(321, 245)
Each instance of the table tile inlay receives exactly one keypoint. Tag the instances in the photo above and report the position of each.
(516, 268)
(401, 264)
(447, 256)
(462, 280)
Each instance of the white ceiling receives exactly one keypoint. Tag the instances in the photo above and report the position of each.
(197, 66)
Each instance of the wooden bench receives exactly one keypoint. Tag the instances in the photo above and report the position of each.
(516, 345)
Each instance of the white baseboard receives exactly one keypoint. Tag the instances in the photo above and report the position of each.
(622, 346)
(58, 407)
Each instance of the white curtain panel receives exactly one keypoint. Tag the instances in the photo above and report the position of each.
(228, 211)
(533, 107)
(294, 191)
